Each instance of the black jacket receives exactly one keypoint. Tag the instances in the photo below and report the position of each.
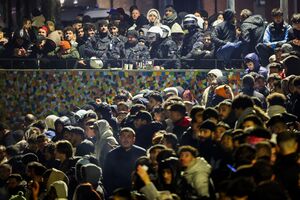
(118, 166)
(145, 133)
(252, 30)
(223, 33)
(140, 22)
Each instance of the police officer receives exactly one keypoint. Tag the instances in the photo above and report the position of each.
(135, 51)
(191, 40)
(167, 49)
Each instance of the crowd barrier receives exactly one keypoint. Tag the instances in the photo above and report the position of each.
(53, 91)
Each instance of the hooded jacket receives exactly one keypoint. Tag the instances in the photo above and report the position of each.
(257, 67)
(61, 189)
(105, 140)
(225, 31)
(197, 175)
(55, 176)
(158, 17)
(50, 120)
(252, 30)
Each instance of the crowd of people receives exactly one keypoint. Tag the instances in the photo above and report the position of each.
(163, 144)
(173, 40)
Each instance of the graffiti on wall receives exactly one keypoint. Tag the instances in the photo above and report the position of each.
(53, 91)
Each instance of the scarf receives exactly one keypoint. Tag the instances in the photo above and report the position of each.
(170, 19)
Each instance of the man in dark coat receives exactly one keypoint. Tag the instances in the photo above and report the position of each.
(224, 37)
(119, 163)
(248, 89)
(286, 167)
(133, 50)
(136, 20)
(252, 30)
(145, 128)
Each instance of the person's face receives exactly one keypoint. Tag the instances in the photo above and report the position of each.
(27, 24)
(159, 116)
(48, 155)
(91, 32)
(77, 26)
(138, 123)
(114, 30)
(90, 133)
(175, 116)
(278, 19)
(153, 156)
(227, 142)
(42, 32)
(103, 28)
(151, 37)
(220, 17)
(59, 156)
(74, 139)
(260, 83)
(135, 14)
(199, 117)
(167, 175)
(168, 12)
(296, 26)
(250, 65)
(248, 124)
(152, 103)
(41, 142)
(164, 142)
(273, 155)
(218, 133)
(69, 35)
(205, 133)
(207, 41)
(12, 183)
(61, 34)
(152, 18)
(186, 158)
(274, 70)
(197, 14)
(211, 78)
(127, 139)
(67, 135)
(278, 127)
(178, 37)
(224, 111)
(80, 32)
(131, 39)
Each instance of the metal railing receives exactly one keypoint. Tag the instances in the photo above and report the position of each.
(125, 64)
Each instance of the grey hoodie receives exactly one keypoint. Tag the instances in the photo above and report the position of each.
(198, 175)
(105, 140)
